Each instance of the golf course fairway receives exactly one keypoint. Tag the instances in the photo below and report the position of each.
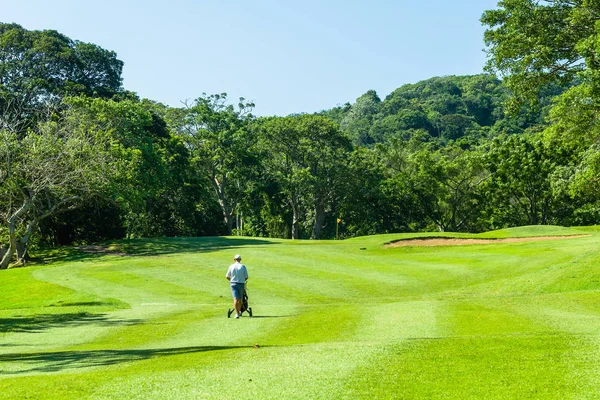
(352, 319)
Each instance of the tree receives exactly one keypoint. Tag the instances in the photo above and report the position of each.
(521, 168)
(359, 118)
(305, 154)
(218, 137)
(160, 192)
(379, 195)
(41, 67)
(448, 184)
(532, 43)
(535, 44)
(361, 205)
(55, 167)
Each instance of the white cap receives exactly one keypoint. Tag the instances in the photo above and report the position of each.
(237, 257)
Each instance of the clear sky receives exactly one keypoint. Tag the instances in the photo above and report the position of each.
(286, 56)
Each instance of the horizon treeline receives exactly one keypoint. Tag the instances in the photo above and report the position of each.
(84, 160)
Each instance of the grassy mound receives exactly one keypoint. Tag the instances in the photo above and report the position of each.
(534, 230)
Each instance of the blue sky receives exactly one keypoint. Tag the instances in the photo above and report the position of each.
(287, 57)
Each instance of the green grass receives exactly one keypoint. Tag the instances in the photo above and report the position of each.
(333, 320)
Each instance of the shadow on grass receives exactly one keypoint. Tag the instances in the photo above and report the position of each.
(42, 322)
(84, 304)
(146, 247)
(57, 361)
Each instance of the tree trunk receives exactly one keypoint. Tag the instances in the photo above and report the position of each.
(227, 216)
(23, 243)
(12, 244)
(12, 238)
(319, 219)
(226, 207)
(295, 216)
(22, 252)
(8, 255)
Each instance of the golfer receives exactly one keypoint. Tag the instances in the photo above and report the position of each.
(237, 275)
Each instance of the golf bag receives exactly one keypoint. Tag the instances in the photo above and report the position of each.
(244, 308)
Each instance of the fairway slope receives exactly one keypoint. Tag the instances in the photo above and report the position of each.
(333, 319)
(447, 241)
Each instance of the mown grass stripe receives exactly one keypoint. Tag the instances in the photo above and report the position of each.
(517, 320)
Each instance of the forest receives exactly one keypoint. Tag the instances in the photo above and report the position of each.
(84, 160)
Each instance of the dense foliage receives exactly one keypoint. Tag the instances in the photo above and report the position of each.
(83, 160)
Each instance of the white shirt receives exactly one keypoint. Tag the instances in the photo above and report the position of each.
(237, 273)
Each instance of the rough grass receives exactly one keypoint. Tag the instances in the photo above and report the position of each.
(343, 320)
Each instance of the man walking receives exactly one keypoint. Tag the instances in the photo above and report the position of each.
(237, 275)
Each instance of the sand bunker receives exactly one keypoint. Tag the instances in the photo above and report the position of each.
(437, 241)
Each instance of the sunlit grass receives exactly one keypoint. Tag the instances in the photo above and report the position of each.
(345, 319)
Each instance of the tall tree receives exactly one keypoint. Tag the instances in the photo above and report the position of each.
(534, 42)
(537, 43)
(448, 183)
(306, 156)
(359, 118)
(56, 166)
(521, 168)
(217, 134)
(41, 67)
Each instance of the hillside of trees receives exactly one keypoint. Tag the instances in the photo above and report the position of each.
(443, 109)
(84, 160)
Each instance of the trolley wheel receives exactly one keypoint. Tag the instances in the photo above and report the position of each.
(250, 311)
(229, 312)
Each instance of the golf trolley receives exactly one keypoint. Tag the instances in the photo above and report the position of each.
(245, 307)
